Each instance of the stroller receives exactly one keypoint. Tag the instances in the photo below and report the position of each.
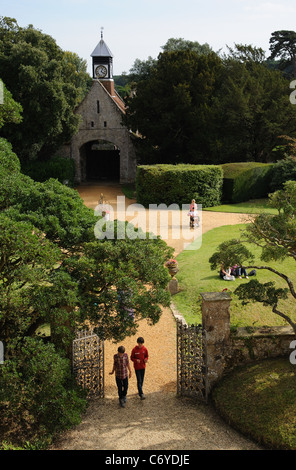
(194, 219)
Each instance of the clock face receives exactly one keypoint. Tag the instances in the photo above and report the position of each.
(101, 71)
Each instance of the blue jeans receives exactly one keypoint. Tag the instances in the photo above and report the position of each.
(242, 272)
(140, 379)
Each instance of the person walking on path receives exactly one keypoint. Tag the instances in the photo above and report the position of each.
(121, 366)
(139, 356)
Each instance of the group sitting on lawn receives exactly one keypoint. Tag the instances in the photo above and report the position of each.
(229, 274)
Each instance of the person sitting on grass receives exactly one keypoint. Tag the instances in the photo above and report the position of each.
(225, 274)
(238, 271)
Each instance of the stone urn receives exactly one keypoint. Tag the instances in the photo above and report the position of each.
(173, 270)
(172, 266)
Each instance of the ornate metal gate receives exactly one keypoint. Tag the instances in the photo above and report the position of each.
(191, 361)
(88, 362)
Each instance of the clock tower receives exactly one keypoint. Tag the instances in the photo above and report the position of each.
(103, 147)
(102, 65)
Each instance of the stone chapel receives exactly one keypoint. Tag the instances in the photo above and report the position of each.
(102, 148)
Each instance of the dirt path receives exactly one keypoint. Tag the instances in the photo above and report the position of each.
(166, 421)
(90, 193)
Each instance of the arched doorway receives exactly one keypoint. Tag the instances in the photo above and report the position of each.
(100, 160)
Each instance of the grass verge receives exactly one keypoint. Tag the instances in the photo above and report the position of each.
(254, 206)
(259, 400)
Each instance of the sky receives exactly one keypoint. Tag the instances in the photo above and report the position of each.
(136, 29)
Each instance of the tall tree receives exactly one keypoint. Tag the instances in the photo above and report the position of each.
(171, 108)
(10, 110)
(251, 108)
(246, 53)
(47, 82)
(180, 44)
(283, 46)
(141, 69)
(75, 71)
(195, 108)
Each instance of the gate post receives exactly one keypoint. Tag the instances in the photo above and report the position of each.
(216, 324)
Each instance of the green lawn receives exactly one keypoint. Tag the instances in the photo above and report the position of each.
(255, 206)
(259, 400)
(195, 277)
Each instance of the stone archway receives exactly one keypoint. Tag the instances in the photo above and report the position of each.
(100, 160)
(123, 161)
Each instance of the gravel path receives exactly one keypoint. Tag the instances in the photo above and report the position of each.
(167, 422)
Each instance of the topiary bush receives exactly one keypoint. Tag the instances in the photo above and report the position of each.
(282, 171)
(179, 184)
(246, 180)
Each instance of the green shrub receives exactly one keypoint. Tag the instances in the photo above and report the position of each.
(62, 169)
(244, 181)
(179, 184)
(37, 392)
(12, 180)
(8, 159)
(283, 170)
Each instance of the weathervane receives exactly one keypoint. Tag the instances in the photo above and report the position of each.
(102, 29)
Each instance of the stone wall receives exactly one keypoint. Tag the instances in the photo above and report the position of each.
(261, 343)
(227, 350)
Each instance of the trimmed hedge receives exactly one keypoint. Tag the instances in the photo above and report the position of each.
(246, 180)
(283, 170)
(62, 169)
(179, 184)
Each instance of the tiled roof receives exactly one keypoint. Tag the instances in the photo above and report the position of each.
(114, 96)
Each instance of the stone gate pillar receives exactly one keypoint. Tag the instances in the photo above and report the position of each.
(216, 324)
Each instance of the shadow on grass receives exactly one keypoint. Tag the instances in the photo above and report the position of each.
(214, 277)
